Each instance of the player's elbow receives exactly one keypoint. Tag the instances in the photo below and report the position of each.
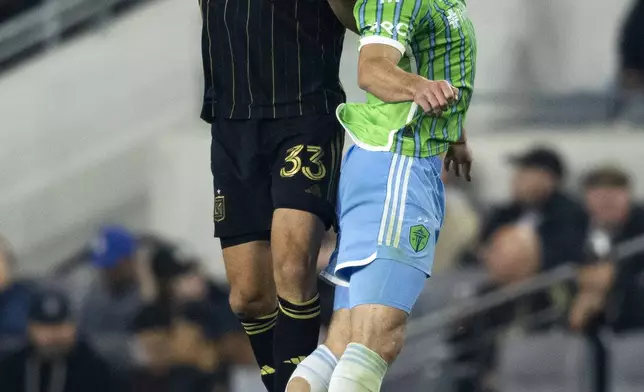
(365, 79)
(367, 75)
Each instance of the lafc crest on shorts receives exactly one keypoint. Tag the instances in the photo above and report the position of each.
(219, 213)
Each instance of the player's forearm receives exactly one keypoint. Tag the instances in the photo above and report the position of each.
(343, 10)
(384, 79)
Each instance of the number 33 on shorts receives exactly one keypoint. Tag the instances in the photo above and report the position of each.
(313, 170)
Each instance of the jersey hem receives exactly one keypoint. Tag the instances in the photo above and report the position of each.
(370, 147)
(339, 281)
(354, 263)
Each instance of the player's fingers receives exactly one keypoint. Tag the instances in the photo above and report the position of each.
(424, 103)
(433, 101)
(457, 169)
(446, 163)
(442, 101)
(448, 91)
(467, 171)
(456, 92)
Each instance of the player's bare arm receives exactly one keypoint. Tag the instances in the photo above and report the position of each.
(343, 9)
(379, 74)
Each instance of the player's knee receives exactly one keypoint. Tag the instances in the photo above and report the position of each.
(387, 344)
(295, 277)
(294, 269)
(295, 252)
(249, 302)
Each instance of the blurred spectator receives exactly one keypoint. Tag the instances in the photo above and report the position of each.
(78, 273)
(151, 327)
(460, 227)
(11, 8)
(181, 282)
(609, 290)
(180, 354)
(539, 201)
(632, 49)
(198, 357)
(114, 297)
(631, 101)
(609, 202)
(54, 360)
(14, 297)
(512, 256)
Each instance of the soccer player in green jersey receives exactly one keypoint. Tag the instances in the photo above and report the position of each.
(417, 65)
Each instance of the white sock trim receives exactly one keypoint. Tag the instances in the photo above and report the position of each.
(317, 369)
(359, 370)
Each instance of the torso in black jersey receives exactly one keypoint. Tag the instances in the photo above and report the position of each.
(270, 58)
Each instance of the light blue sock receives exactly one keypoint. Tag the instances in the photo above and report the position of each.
(359, 370)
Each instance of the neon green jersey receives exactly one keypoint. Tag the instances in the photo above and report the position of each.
(438, 42)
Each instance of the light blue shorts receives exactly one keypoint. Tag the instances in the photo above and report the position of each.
(379, 282)
(391, 207)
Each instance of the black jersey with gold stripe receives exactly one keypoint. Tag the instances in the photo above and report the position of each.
(270, 58)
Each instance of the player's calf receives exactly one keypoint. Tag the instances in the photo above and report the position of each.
(296, 241)
(380, 328)
(377, 336)
(379, 305)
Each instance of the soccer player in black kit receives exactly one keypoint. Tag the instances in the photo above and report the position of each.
(271, 89)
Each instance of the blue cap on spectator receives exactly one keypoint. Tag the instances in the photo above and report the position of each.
(112, 245)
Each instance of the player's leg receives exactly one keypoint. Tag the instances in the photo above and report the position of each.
(243, 210)
(315, 372)
(389, 224)
(380, 306)
(305, 176)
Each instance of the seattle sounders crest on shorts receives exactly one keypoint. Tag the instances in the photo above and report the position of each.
(391, 197)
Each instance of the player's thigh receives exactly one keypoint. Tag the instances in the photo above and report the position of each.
(243, 212)
(381, 296)
(386, 282)
(305, 178)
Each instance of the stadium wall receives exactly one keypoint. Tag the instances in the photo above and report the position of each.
(79, 126)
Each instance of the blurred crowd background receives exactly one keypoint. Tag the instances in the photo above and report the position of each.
(110, 279)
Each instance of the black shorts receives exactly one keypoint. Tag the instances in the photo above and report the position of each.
(260, 165)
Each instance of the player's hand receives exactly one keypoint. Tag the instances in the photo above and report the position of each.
(459, 158)
(435, 96)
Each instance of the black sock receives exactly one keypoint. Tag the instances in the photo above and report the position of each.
(296, 336)
(260, 332)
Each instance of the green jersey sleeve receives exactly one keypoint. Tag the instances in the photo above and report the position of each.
(389, 22)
